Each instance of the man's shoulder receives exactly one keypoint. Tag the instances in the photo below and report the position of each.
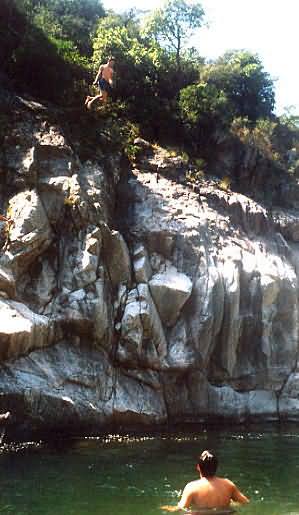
(226, 481)
(193, 484)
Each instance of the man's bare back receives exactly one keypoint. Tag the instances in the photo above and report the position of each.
(106, 72)
(214, 492)
(209, 491)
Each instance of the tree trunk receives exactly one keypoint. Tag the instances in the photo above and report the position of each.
(178, 52)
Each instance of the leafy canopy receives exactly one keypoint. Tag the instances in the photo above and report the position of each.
(73, 20)
(202, 102)
(241, 75)
(174, 24)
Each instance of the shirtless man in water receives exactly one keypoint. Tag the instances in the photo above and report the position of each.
(209, 491)
(104, 80)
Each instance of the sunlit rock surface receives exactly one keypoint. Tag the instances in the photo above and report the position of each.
(180, 307)
(170, 291)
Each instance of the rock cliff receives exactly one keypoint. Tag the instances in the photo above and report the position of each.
(130, 299)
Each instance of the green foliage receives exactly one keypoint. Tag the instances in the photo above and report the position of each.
(47, 22)
(117, 131)
(67, 50)
(73, 20)
(287, 131)
(173, 24)
(140, 71)
(194, 176)
(197, 170)
(146, 75)
(234, 88)
(241, 76)
(225, 183)
(42, 63)
(128, 133)
(259, 166)
(259, 136)
(270, 148)
(204, 110)
(203, 103)
(136, 62)
(286, 140)
(291, 119)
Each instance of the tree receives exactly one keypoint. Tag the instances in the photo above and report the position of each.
(204, 111)
(78, 20)
(136, 63)
(35, 61)
(241, 75)
(203, 103)
(145, 74)
(174, 24)
(74, 20)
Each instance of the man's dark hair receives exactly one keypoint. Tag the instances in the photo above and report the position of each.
(208, 464)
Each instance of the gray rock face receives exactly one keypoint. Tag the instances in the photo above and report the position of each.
(118, 258)
(7, 282)
(22, 330)
(188, 313)
(170, 291)
(141, 264)
(31, 233)
(289, 399)
(142, 336)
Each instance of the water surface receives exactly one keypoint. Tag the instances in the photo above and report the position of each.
(134, 477)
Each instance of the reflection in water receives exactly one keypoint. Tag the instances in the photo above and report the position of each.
(134, 477)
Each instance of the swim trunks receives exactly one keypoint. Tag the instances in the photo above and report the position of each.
(105, 86)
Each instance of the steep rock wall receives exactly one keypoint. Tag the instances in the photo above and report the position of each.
(159, 305)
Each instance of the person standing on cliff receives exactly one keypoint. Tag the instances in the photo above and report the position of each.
(104, 80)
(209, 491)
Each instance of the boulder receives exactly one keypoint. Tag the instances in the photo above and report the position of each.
(136, 403)
(142, 336)
(55, 193)
(288, 401)
(54, 160)
(170, 291)
(31, 233)
(117, 258)
(61, 388)
(21, 160)
(100, 308)
(85, 271)
(93, 243)
(7, 282)
(207, 308)
(22, 330)
(141, 264)
(181, 353)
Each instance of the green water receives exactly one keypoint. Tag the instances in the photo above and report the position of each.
(136, 477)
